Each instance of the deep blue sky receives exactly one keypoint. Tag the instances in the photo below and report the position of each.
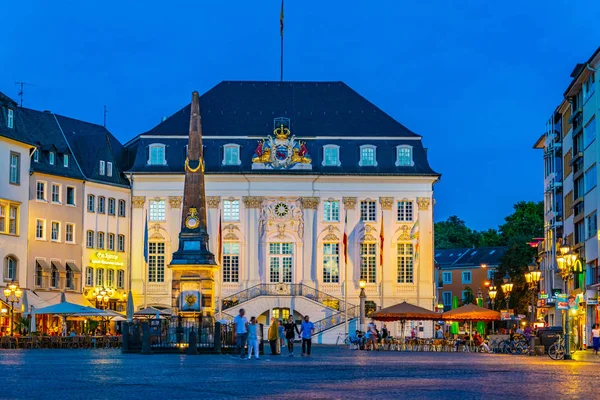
(476, 78)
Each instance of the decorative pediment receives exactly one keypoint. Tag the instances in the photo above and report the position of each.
(368, 238)
(230, 233)
(404, 232)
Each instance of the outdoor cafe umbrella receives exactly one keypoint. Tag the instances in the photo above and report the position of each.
(405, 312)
(130, 307)
(471, 312)
(32, 327)
(151, 312)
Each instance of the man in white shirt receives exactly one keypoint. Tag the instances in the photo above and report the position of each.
(240, 327)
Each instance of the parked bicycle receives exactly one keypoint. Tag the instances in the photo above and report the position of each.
(557, 349)
(518, 345)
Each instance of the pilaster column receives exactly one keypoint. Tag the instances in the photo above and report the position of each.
(424, 263)
(136, 246)
(310, 206)
(212, 222)
(252, 205)
(388, 270)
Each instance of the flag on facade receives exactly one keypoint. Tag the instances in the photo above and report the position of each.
(281, 20)
(345, 238)
(146, 239)
(414, 237)
(381, 241)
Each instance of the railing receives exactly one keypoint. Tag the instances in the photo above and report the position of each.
(285, 289)
(176, 332)
(335, 320)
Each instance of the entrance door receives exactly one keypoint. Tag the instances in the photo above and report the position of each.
(280, 262)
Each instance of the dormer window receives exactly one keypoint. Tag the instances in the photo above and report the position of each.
(10, 118)
(404, 156)
(36, 155)
(231, 154)
(157, 154)
(331, 155)
(66, 160)
(109, 169)
(102, 167)
(368, 156)
(51, 157)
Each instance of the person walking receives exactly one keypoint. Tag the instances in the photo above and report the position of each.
(281, 331)
(240, 327)
(253, 338)
(273, 336)
(290, 329)
(596, 338)
(306, 330)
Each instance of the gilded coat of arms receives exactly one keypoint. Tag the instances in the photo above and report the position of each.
(280, 150)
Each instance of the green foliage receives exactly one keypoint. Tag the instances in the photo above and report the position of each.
(454, 233)
(22, 325)
(91, 326)
(469, 296)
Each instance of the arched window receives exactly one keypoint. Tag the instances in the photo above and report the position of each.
(156, 154)
(368, 156)
(231, 154)
(405, 263)
(231, 262)
(10, 268)
(404, 156)
(70, 281)
(331, 262)
(331, 155)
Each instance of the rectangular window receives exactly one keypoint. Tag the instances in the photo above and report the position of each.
(55, 237)
(467, 296)
(446, 278)
(368, 262)
(466, 277)
(589, 133)
(331, 263)
(404, 156)
(40, 229)
(99, 277)
(89, 276)
(331, 211)
(590, 178)
(69, 279)
(157, 155)
(66, 160)
(121, 208)
(231, 210)
(447, 299)
(111, 206)
(405, 211)
(157, 210)
(39, 275)
(121, 243)
(108, 169)
(120, 279)
(14, 174)
(110, 277)
(491, 273)
(102, 167)
(368, 210)
(367, 157)
(51, 157)
(280, 262)
(579, 232)
(156, 262)
(89, 240)
(55, 195)
(36, 155)
(91, 203)
(70, 195)
(331, 156)
(41, 191)
(100, 240)
(111, 241)
(405, 263)
(12, 219)
(231, 262)
(578, 187)
(2, 218)
(69, 233)
(231, 156)
(591, 222)
(10, 118)
(101, 204)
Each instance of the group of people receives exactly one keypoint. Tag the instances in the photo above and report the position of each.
(247, 331)
(372, 336)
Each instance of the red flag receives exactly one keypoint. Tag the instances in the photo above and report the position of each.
(345, 238)
(281, 20)
(381, 241)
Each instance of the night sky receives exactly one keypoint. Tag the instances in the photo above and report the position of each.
(477, 79)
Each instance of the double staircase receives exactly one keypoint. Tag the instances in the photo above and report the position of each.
(342, 309)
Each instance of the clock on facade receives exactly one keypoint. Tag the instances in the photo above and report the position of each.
(281, 209)
(191, 220)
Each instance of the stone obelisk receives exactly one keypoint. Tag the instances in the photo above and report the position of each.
(193, 264)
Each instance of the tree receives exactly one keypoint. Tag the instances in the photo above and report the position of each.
(490, 238)
(454, 233)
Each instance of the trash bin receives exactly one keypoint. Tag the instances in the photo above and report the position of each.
(548, 335)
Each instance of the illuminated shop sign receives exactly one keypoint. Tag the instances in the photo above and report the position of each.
(104, 258)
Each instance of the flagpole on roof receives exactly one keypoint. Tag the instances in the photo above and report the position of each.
(281, 34)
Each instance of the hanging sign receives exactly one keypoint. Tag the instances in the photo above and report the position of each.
(561, 301)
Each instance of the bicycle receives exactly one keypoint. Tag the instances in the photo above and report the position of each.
(345, 339)
(557, 349)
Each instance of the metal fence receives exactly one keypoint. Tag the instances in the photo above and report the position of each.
(175, 332)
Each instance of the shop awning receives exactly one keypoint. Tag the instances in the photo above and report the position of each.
(59, 266)
(54, 298)
(73, 267)
(29, 299)
(43, 264)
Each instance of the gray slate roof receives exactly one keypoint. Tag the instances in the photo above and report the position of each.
(469, 257)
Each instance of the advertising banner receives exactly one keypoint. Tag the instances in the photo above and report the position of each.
(562, 302)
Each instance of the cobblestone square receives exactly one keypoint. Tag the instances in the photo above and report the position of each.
(331, 373)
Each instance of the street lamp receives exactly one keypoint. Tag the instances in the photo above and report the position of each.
(492, 293)
(362, 283)
(507, 287)
(103, 297)
(13, 293)
(568, 263)
(533, 278)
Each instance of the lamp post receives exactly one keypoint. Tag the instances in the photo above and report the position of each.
(362, 283)
(13, 293)
(507, 288)
(102, 298)
(492, 293)
(568, 262)
(533, 278)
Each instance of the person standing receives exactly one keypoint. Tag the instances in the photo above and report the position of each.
(281, 331)
(253, 338)
(240, 327)
(290, 334)
(596, 338)
(273, 336)
(306, 331)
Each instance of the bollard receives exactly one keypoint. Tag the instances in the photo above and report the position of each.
(192, 344)
(217, 337)
(125, 336)
(146, 349)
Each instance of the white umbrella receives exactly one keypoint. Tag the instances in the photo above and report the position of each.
(33, 327)
(130, 307)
